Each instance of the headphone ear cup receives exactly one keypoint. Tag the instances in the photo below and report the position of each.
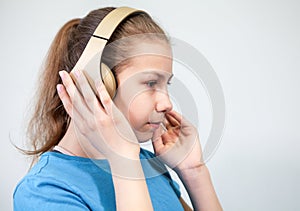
(108, 79)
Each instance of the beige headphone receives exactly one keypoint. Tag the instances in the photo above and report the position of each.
(90, 60)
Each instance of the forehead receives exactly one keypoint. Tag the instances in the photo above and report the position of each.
(147, 65)
(149, 58)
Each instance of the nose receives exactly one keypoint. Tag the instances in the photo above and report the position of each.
(163, 103)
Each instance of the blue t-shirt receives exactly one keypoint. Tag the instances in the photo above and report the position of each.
(62, 182)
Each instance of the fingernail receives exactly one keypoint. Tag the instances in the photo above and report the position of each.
(99, 83)
(59, 88)
(61, 74)
(163, 127)
(77, 73)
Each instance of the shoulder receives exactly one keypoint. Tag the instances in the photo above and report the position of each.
(55, 182)
(60, 166)
(50, 172)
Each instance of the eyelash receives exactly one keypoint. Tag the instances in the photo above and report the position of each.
(152, 83)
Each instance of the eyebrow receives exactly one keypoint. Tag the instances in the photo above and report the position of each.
(157, 74)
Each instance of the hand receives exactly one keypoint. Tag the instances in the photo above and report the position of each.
(179, 146)
(99, 125)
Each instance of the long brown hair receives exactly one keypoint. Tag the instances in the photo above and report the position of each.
(50, 121)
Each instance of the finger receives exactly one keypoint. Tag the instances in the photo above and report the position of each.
(157, 133)
(164, 137)
(105, 99)
(67, 82)
(157, 141)
(67, 103)
(185, 124)
(65, 99)
(179, 118)
(171, 134)
(88, 94)
(75, 96)
(172, 120)
(172, 124)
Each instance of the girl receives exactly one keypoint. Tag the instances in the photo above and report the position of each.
(88, 146)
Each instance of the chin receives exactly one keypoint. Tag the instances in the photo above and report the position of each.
(143, 136)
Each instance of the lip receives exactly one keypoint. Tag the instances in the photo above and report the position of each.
(154, 125)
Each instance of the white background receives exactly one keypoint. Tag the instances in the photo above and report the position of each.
(254, 48)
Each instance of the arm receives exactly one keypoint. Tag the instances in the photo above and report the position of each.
(199, 186)
(130, 186)
(47, 194)
(179, 148)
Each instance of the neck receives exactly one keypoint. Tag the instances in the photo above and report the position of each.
(77, 146)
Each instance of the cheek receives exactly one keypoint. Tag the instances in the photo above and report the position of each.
(140, 109)
(136, 103)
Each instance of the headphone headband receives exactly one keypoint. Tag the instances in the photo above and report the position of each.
(90, 59)
(111, 21)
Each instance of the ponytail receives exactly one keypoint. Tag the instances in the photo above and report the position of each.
(50, 120)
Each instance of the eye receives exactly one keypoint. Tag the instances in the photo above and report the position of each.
(151, 84)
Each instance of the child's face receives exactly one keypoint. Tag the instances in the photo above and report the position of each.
(142, 93)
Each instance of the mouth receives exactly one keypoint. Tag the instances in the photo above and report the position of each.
(154, 125)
